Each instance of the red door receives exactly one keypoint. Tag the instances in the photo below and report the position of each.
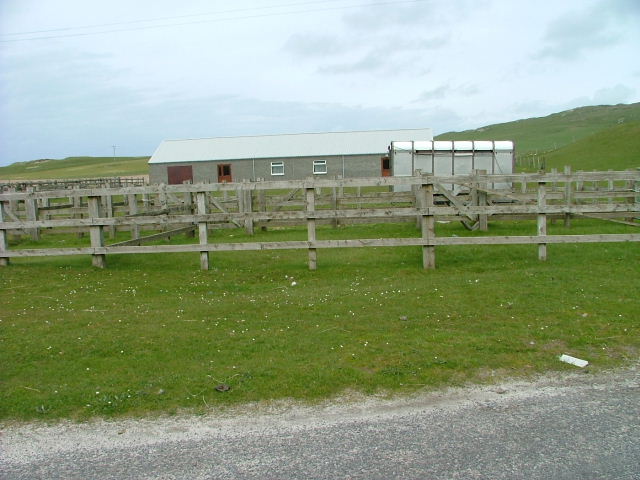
(385, 168)
(224, 173)
(180, 174)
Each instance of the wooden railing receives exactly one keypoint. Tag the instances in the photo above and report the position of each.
(424, 198)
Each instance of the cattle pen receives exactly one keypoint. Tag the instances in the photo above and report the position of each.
(200, 209)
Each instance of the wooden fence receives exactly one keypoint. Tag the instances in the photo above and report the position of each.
(178, 209)
(72, 183)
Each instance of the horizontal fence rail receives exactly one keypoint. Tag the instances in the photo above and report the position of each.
(196, 209)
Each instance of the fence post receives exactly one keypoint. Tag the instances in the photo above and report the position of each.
(109, 206)
(31, 207)
(634, 187)
(310, 196)
(77, 213)
(46, 203)
(133, 210)
(248, 206)
(4, 243)
(483, 219)
(262, 204)
(188, 205)
(334, 203)
(568, 196)
(542, 219)
(427, 223)
(96, 232)
(202, 230)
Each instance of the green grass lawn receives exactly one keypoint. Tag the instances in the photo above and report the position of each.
(153, 334)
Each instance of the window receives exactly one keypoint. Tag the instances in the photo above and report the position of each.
(277, 168)
(319, 167)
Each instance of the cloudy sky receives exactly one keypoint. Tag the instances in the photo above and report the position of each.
(77, 77)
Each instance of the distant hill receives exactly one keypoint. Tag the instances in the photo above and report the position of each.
(543, 134)
(75, 167)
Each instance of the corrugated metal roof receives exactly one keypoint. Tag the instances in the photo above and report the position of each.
(283, 146)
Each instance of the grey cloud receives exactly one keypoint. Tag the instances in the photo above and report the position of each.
(604, 96)
(601, 26)
(368, 63)
(391, 54)
(422, 13)
(372, 17)
(444, 91)
(623, 10)
(314, 45)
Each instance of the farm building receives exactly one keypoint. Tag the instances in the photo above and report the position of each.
(278, 157)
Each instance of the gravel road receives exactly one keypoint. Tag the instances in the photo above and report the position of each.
(569, 426)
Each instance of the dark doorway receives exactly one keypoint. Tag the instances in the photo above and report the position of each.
(224, 173)
(385, 167)
(179, 175)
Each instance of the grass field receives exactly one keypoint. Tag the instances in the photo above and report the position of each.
(616, 148)
(76, 167)
(153, 334)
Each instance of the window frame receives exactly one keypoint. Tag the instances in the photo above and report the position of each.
(320, 163)
(277, 165)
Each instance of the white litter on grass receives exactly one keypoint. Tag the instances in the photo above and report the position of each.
(573, 360)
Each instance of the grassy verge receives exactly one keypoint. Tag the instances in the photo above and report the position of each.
(154, 334)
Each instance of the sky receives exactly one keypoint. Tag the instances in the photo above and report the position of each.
(80, 77)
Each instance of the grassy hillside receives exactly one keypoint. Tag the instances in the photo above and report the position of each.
(553, 131)
(615, 148)
(75, 167)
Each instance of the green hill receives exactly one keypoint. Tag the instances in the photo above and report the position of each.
(615, 148)
(543, 134)
(75, 167)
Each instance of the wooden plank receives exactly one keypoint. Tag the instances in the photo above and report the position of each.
(542, 220)
(31, 207)
(483, 218)
(162, 190)
(133, 210)
(201, 199)
(453, 200)
(352, 243)
(96, 233)
(4, 237)
(166, 220)
(427, 226)
(568, 197)
(310, 196)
